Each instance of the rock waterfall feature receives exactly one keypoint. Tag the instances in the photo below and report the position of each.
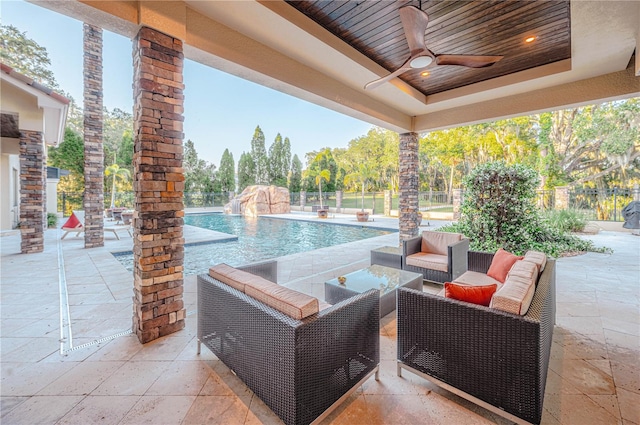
(258, 200)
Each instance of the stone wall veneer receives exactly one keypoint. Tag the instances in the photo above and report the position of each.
(93, 150)
(158, 247)
(408, 186)
(32, 191)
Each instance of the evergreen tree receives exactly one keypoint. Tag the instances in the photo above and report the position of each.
(295, 177)
(286, 159)
(246, 171)
(226, 173)
(259, 156)
(278, 164)
(199, 175)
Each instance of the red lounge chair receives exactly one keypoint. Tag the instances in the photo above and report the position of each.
(75, 223)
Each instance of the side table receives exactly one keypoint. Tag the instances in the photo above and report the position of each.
(390, 256)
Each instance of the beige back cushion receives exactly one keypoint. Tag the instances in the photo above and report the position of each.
(437, 242)
(538, 258)
(516, 294)
(292, 303)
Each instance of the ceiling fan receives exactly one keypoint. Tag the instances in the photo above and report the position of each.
(414, 22)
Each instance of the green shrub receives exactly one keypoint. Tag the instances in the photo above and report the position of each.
(52, 220)
(565, 220)
(498, 211)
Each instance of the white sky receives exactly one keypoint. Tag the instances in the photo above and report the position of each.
(221, 110)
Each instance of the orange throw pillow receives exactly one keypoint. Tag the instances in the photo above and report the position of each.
(501, 264)
(480, 295)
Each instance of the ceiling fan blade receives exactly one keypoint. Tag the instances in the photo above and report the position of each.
(414, 23)
(375, 83)
(471, 61)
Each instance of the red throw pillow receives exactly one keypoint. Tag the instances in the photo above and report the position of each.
(501, 264)
(480, 295)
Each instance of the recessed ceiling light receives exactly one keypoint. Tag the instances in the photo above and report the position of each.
(530, 39)
(424, 74)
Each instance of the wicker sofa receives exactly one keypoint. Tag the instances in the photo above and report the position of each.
(301, 369)
(495, 359)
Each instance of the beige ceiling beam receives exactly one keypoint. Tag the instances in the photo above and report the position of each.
(617, 85)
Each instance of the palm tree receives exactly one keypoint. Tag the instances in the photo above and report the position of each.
(118, 173)
(363, 175)
(322, 175)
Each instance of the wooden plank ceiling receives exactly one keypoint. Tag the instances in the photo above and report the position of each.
(473, 27)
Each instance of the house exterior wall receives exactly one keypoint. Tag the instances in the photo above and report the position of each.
(14, 100)
(52, 196)
(30, 117)
(9, 190)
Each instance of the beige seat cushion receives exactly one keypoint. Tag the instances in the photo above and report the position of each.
(429, 261)
(516, 294)
(437, 242)
(292, 303)
(476, 279)
(537, 257)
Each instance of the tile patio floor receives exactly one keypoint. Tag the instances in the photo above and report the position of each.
(593, 378)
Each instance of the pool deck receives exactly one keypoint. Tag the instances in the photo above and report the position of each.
(107, 376)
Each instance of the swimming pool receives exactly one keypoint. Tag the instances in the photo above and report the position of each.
(260, 239)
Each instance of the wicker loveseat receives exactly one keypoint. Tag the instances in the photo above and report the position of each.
(439, 256)
(301, 369)
(495, 359)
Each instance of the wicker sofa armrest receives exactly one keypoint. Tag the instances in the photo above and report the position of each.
(458, 258)
(493, 358)
(267, 269)
(411, 246)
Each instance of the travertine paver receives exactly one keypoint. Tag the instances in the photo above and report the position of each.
(593, 377)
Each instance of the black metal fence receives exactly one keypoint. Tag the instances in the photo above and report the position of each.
(596, 204)
(602, 204)
(69, 201)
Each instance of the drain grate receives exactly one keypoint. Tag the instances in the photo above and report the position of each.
(99, 341)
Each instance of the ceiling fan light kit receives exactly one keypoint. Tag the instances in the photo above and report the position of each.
(414, 22)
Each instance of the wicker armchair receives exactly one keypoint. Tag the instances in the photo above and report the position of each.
(456, 258)
(495, 359)
(301, 369)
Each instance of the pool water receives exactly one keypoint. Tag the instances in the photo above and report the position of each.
(260, 239)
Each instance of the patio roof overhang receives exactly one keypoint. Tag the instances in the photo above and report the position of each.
(273, 44)
(39, 108)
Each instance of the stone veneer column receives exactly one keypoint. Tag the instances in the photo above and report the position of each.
(158, 247)
(339, 195)
(457, 203)
(303, 198)
(561, 201)
(32, 189)
(93, 151)
(408, 182)
(387, 203)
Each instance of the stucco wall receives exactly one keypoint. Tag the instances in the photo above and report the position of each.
(9, 197)
(25, 105)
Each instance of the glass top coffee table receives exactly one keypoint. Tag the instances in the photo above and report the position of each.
(385, 279)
